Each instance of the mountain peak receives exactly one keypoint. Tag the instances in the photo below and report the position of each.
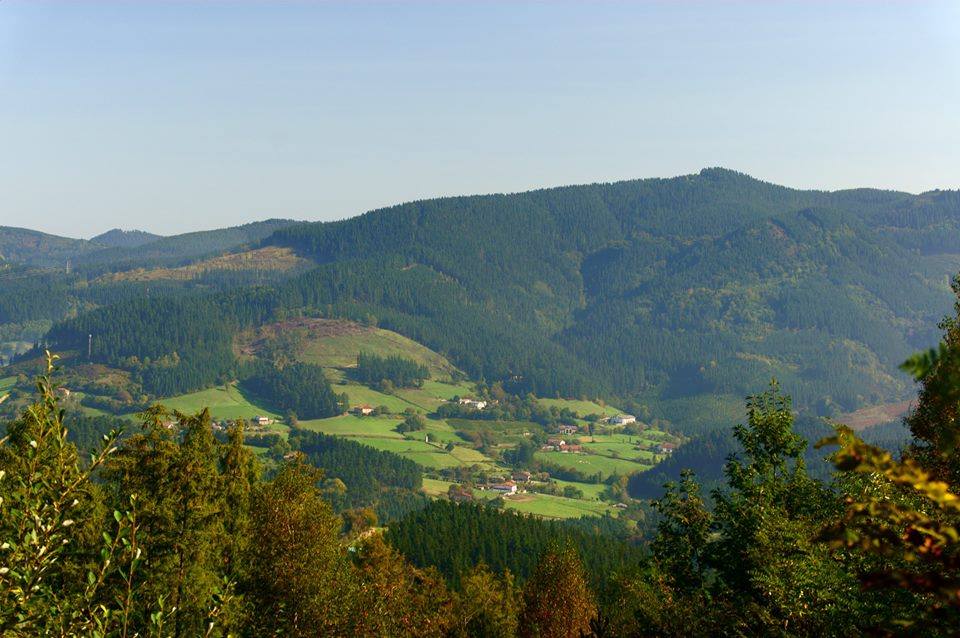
(119, 238)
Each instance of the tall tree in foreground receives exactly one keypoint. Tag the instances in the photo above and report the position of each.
(488, 606)
(766, 520)
(902, 518)
(56, 577)
(396, 599)
(299, 581)
(173, 468)
(557, 601)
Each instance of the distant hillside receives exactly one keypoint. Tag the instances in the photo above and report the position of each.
(178, 250)
(706, 455)
(334, 343)
(24, 246)
(117, 250)
(673, 297)
(117, 238)
(671, 289)
(264, 260)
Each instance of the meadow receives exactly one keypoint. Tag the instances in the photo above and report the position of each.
(544, 505)
(225, 402)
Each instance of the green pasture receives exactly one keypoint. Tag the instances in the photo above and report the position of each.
(581, 408)
(590, 464)
(225, 402)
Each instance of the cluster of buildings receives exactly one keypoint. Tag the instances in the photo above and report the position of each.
(256, 424)
(555, 444)
(510, 486)
(473, 403)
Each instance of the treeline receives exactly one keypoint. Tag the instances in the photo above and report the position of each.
(182, 537)
(31, 294)
(298, 387)
(656, 290)
(369, 477)
(173, 345)
(455, 537)
(705, 455)
(399, 371)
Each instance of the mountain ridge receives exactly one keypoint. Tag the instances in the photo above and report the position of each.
(656, 293)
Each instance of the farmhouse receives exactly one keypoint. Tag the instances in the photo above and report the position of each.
(553, 443)
(262, 420)
(568, 429)
(667, 448)
(623, 419)
(508, 487)
(471, 403)
(574, 449)
(363, 410)
(522, 476)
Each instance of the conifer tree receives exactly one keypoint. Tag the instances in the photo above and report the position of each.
(557, 601)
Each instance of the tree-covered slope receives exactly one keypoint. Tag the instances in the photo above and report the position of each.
(24, 246)
(674, 288)
(658, 293)
(178, 249)
(119, 238)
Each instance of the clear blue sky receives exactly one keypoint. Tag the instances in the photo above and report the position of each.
(175, 116)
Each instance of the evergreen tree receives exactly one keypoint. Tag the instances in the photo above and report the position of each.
(488, 606)
(59, 555)
(557, 601)
(173, 469)
(298, 581)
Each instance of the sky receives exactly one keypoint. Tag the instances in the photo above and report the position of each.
(175, 116)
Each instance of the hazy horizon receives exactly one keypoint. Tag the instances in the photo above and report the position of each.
(177, 117)
(545, 187)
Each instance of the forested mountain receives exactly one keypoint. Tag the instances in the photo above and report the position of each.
(118, 238)
(675, 297)
(117, 249)
(670, 288)
(178, 249)
(21, 245)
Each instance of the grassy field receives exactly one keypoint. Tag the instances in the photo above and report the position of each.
(433, 393)
(225, 402)
(549, 506)
(590, 464)
(582, 408)
(380, 432)
(591, 491)
(361, 394)
(537, 504)
(620, 445)
(439, 431)
(356, 426)
(341, 350)
(6, 383)
(425, 399)
(265, 259)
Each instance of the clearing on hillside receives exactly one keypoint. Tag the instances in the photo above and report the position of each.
(268, 259)
(335, 343)
(225, 402)
(875, 415)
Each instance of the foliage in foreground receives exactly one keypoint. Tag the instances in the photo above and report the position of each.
(180, 536)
